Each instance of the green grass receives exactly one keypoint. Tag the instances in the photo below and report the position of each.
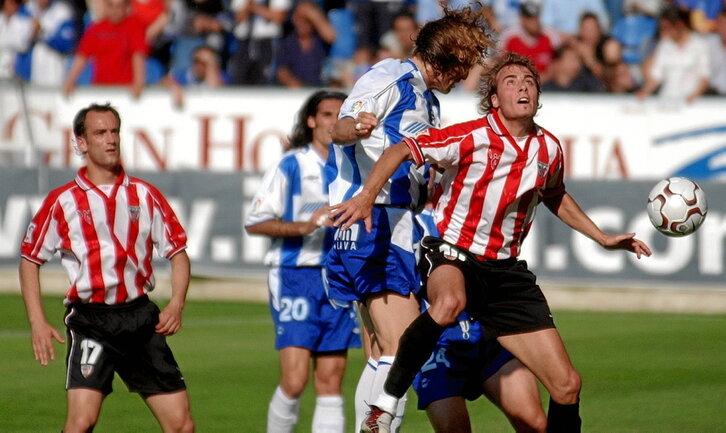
(649, 373)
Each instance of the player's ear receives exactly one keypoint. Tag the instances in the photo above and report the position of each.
(81, 144)
(495, 101)
(311, 122)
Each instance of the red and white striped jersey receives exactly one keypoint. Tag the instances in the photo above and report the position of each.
(491, 184)
(105, 239)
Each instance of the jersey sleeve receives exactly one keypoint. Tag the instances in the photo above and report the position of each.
(42, 238)
(436, 146)
(269, 202)
(167, 233)
(555, 185)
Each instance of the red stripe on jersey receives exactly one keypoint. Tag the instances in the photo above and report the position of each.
(42, 221)
(466, 149)
(133, 233)
(95, 270)
(121, 252)
(173, 231)
(62, 227)
(418, 157)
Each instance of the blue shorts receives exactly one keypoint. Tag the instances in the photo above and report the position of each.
(361, 264)
(303, 315)
(458, 369)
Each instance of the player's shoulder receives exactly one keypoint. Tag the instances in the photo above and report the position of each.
(55, 194)
(548, 135)
(145, 185)
(385, 74)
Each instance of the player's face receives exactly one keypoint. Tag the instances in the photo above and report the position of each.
(516, 96)
(323, 121)
(101, 142)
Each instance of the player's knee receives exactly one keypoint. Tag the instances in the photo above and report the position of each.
(293, 386)
(534, 421)
(567, 390)
(183, 423)
(446, 308)
(81, 424)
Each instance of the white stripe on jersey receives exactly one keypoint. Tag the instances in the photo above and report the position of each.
(292, 190)
(396, 93)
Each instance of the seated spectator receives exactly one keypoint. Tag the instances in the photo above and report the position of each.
(54, 38)
(680, 67)
(200, 22)
(531, 39)
(588, 43)
(636, 31)
(702, 13)
(717, 49)
(303, 51)
(564, 15)
(117, 48)
(567, 73)
(259, 26)
(616, 75)
(16, 35)
(401, 37)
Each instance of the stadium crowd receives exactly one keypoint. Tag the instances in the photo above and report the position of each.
(616, 46)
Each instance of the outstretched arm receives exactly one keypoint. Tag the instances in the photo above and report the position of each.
(359, 207)
(566, 209)
(42, 333)
(170, 318)
(285, 229)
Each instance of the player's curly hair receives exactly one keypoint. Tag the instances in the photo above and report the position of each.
(301, 134)
(456, 42)
(488, 82)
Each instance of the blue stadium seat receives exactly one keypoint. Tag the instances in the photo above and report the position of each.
(636, 33)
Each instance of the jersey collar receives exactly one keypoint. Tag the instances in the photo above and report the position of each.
(85, 184)
(498, 127)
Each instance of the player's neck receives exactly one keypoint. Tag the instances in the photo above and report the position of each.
(518, 127)
(320, 148)
(101, 175)
(423, 68)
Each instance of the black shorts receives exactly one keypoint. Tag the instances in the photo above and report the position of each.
(103, 339)
(502, 294)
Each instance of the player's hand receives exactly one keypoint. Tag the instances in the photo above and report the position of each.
(320, 218)
(351, 211)
(170, 320)
(364, 124)
(42, 340)
(627, 241)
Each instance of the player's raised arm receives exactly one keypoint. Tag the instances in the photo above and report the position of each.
(568, 211)
(359, 207)
(350, 129)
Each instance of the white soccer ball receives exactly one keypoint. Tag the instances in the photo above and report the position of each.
(677, 206)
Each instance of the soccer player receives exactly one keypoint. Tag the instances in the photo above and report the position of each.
(392, 100)
(292, 208)
(497, 169)
(105, 225)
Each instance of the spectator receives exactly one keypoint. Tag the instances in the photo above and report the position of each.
(616, 75)
(303, 51)
(530, 39)
(200, 22)
(567, 73)
(373, 18)
(717, 54)
(16, 34)
(401, 37)
(259, 27)
(680, 67)
(502, 14)
(702, 13)
(588, 43)
(636, 31)
(116, 46)
(564, 15)
(54, 37)
(152, 15)
(205, 71)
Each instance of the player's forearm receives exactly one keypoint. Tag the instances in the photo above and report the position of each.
(571, 214)
(282, 229)
(29, 275)
(384, 168)
(180, 274)
(344, 131)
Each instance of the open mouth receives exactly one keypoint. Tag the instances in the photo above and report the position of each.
(523, 100)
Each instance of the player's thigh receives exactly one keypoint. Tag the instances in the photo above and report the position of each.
(544, 353)
(391, 313)
(449, 415)
(513, 388)
(328, 372)
(171, 410)
(294, 369)
(370, 344)
(446, 292)
(84, 406)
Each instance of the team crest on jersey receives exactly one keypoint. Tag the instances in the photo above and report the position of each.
(29, 234)
(134, 212)
(542, 169)
(85, 215)
(357, 106)
(493, 158)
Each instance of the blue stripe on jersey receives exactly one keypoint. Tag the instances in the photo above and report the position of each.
(331, 169)
(400, 181)
(290, 167)
(349, 153)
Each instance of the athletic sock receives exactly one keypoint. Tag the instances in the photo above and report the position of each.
(563, 418)
(282, 413)
(415, 347)
(328, 416)
(384, 366)
(363, 394)
(400, 410)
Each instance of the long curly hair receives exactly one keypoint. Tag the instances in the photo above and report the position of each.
(488, 83)
(302, 134)
(455, 42)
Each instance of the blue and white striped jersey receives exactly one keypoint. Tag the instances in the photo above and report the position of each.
(394, 90)
(292, 191)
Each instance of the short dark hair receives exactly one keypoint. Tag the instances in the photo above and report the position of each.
(302, 134)
(79, 122)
